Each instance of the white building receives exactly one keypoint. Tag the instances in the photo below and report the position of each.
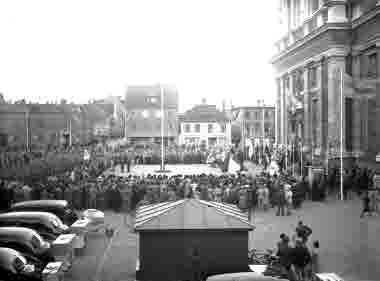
(205, 125)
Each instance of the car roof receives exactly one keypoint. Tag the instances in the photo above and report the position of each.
(17, 232)
(38, 203)
(242, 276)
(41, 216)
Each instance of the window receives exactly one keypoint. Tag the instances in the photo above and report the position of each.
(349, 119)
(151, 100)
(223, 128)
(349, 65)
(372, 65)
(313, 77)
(297, 12)
(356, 11)
(246, 115)
(197, 128)
(314, 120)
(257, 115)
(210, 128)
(187, 128)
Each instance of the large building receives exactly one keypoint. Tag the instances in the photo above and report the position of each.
(258, 122)
(320, 40)
(143, 109)
(37, 126)
(205, 125)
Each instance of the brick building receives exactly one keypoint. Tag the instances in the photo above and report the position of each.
(322, 39)
(41, 125)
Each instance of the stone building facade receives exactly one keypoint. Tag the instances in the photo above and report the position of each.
(324, 41)
(205, 125)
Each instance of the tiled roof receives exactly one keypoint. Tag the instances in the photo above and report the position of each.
(191, 214)
(204, 113)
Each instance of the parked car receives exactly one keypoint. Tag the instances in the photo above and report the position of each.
(60, 208)
(48, 225)
(15, 267)
(28, 242)
(242, 276)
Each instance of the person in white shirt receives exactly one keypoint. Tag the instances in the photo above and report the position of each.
(288, 198)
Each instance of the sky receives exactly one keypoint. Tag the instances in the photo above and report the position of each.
(81, 50)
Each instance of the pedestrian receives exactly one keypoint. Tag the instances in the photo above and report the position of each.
(284, 253)
(315, 258)
(260, 198)
(281, 202)
(366, 205)
(300, 259)
(288, 199)
(303, 231)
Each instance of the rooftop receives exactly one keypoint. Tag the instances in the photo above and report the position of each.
(191, 214)
(204, 113)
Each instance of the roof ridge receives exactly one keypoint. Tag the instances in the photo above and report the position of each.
(228, 214)
(174, 206)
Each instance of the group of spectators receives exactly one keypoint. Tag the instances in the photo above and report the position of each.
(298, 262)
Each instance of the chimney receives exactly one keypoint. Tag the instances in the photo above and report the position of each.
(203, 101)
(224, 105)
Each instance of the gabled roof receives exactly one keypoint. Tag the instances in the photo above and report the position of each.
(204, 113)
(191, 214)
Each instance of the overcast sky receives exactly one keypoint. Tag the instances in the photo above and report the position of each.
(85, 49)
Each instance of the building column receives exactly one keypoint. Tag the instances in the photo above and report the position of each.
(306, 100)
(287, 120)
(324, 108)
(278, 112)
(364, 124)
(378, 100)
(282, 109)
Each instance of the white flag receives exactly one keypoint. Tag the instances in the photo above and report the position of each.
(233, 167)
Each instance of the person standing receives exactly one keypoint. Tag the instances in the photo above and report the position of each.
(300, 259)
(288, 199)
(260, 198)
(281, 202)
(366, 205)
(284, 253)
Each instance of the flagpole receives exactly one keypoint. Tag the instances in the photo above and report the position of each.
(293, 158)
(301, 159)
(341, 135)
(70, 139)
(162, 129)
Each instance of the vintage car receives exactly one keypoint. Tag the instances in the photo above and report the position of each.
(15, 267)
(48, 225)
(28, 242)
(60, 208)
(242, 276)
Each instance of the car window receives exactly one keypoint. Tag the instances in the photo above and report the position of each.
(19, 264)
(36, 242)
